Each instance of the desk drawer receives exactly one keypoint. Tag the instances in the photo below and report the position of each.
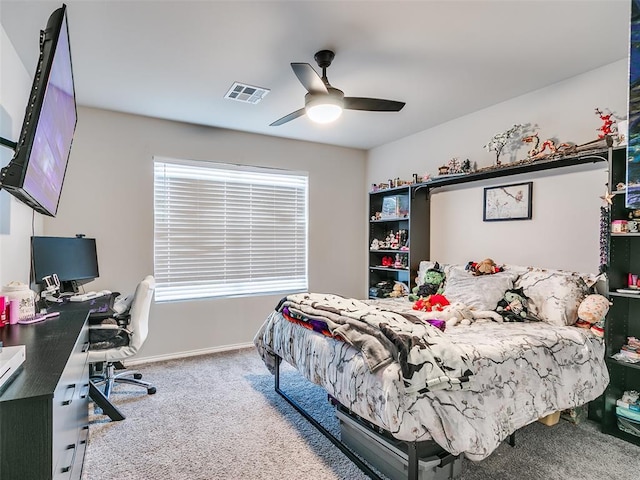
(71, 411)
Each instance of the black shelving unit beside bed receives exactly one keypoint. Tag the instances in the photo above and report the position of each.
(623, 319)
(403, 210)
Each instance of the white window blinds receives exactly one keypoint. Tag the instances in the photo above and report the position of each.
(225, 230)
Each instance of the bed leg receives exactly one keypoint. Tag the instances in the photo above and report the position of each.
(337, 442)
(512, 439)
(277, 372)
(412, 450)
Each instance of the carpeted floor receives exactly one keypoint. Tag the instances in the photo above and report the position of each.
(218, 417)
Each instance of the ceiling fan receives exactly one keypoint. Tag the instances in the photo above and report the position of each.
(324, 103)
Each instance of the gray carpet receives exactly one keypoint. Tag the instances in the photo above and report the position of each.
(218, 417)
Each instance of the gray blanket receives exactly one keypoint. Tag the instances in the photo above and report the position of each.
(428, 360)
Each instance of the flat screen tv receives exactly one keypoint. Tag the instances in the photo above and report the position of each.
(36, 172)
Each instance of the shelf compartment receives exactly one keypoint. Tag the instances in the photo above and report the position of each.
(388, 269)
(391, 219)
(388, 251)
(624, 364)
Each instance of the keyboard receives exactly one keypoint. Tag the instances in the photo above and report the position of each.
(84, 297)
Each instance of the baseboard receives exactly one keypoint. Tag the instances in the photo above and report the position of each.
(190, 353)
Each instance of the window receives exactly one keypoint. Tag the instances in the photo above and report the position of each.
(226, 230)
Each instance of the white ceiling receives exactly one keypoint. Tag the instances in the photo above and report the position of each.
(177, 59)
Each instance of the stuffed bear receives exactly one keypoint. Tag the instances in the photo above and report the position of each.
(398, 290)
(591, 313)
(513, 306)
(485, 267)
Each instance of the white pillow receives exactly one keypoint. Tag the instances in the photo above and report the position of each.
(428, 265)
(482, 292)
(554, 295)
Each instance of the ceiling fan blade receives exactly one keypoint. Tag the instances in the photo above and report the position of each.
(372, 104)
(288, 118)
(309, 78)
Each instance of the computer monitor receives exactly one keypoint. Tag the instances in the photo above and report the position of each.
(74, 260)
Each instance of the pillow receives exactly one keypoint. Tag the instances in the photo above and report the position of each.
(480, 292)
(428, 265)
(554, 295)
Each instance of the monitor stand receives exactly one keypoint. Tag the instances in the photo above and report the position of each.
(68, 288)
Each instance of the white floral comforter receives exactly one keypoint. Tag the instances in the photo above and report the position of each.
(522, 371)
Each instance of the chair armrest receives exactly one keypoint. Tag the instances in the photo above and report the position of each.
(108, 327)
(104, 327)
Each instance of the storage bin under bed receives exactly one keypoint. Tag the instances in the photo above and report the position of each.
(390, 458)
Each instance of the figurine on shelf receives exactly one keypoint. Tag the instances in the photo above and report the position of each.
(609, 123)
(375, 244)
(454, 166)
(467, 167)
(386, 243)
(394, 242)
(499, 140)
(539, 151)
(443, 170)
(398, 263)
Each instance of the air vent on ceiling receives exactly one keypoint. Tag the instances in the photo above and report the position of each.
(246, 93)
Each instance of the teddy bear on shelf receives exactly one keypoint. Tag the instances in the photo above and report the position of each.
(398, 290)
(485, 267)
(513, 306)
(592, 312)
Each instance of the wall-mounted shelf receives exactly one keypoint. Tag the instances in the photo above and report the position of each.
(517, 168)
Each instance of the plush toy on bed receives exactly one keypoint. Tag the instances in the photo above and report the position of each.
(431, 303)
(438, 307)
(513, 306)
(485, 267)
(591, 313)
(432, 283)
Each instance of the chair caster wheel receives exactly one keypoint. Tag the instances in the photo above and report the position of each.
(151, 391)
(137, 376)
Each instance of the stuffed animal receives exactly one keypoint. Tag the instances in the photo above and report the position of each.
(513, 306)
(398, 290)
(592, 312)
(452, 313)
(431, 303)
(485, 267)
(432, 283)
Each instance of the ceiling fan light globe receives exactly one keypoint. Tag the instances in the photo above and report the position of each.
(324, 112)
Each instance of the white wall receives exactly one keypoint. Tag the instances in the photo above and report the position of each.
(564, 231)
(108, 194)
(15, 217)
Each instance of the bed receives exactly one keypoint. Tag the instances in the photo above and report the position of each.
(504, 375)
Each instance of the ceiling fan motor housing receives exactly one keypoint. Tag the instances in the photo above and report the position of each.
(334, 96)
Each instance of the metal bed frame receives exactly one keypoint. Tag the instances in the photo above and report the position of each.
(412, 447)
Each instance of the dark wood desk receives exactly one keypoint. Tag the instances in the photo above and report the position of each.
(44, 409)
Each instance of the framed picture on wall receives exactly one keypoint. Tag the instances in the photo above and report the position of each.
(507, 202)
